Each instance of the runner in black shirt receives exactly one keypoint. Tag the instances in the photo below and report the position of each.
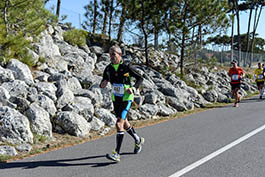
(119, 75)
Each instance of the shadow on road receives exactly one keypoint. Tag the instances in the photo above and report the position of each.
(248, 100)
(59, 163)
(252, 100)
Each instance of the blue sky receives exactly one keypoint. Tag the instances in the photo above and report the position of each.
(74, 9)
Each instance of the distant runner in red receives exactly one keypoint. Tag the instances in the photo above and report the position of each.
(236, 73)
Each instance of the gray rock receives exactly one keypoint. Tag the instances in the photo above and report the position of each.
(73, 123)
(165, 110)
(149, 111)
(139, 100)
(15, 127)
(40, 120)
(4, 95)
(8, 150)
(134, 115)
(100, 66)
(211, 95)
(21, 103)
(104, 131)
(97, 124)
(151, 98)
(46, 48)
(6, 75)
(65, 96)
(16, 88)
(48, 89)
(104, 57)
(73, 84)
(47, 104)
(97, 50)
(177, 103)
(87, 93)
(24, 148)
(41, 76)
(106, 116)
(82, 106)
(21, 71)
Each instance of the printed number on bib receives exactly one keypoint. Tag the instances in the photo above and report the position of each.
(260, 76)
(118, 89)
(235, 77)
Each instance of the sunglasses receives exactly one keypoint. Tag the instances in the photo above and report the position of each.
(114, 53)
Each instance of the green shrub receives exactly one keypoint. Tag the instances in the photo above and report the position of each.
(15, 46)
(249, 76)
(25, 20)
(75, 37)
(4, 158)
(39, 138)
(42, 60)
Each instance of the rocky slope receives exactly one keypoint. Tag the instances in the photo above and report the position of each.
(63, 94)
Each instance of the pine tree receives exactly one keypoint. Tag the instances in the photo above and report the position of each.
(21, 20)
(206, 16)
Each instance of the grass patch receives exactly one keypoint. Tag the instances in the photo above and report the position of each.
(39, 139)
(4, 158)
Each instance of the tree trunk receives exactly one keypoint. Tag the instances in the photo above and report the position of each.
(156, 38)
(106, 14)
(232, 36)
(145, 34)
(199, 38)
(95, 16)
(238, 32)
(247, 49)
(183, 41)
(122, 22)
(194, 45)
(58, 8)
(110, 18)
(254, 32)
(5, 17)
(169, 42)
(104, 29)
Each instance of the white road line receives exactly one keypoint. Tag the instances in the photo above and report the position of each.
(216, 153)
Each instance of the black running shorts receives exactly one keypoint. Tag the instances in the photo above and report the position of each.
(121, 108)
(234, 86)
(260, 83)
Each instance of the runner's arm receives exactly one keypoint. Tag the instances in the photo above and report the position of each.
(137, 76)
(104, 80)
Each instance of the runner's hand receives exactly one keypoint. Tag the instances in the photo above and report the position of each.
(103, 84)
(129, 90)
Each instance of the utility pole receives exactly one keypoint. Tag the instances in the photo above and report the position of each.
(79, 21)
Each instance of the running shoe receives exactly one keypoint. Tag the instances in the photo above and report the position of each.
(138, 146)
(236, 105)
(114, 156)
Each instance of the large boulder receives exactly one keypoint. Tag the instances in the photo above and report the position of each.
(40, 120)
(15, 127)
(72, 123)
(21, 71)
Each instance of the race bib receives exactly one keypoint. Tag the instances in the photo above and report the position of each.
(235, 77)
(118, 89)
(260, 76)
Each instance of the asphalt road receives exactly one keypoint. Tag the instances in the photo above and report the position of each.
(222, 142)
